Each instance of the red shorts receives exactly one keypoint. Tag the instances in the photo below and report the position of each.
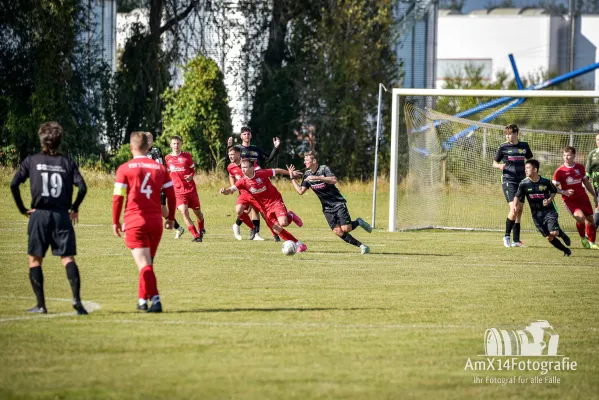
(191, 199)
(246, 199)
(147, 235)
(583, 205)
(273, 210)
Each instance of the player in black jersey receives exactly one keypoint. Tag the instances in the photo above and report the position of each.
(253, 152)
(156, 154)
(540, 193)
(510, 158)
(52, 214)
(322, 181)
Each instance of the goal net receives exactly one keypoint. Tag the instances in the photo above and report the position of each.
(442, 173)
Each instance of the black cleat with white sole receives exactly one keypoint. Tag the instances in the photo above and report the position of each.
(155, 308)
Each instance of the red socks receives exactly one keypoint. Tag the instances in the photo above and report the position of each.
(580, 228)
(193, 230)
(287, 236)
(148, 287)
(592, 233)
(200, 225)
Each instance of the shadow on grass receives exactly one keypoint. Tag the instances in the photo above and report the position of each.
(374, 253)
(275, 309)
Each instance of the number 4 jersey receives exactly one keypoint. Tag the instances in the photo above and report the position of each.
(141, 180)
(52, 179)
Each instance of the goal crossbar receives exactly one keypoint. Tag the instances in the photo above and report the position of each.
(397, 93)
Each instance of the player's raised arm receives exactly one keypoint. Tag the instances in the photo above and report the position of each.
(276, 143)
(229, 190)
(292, 173)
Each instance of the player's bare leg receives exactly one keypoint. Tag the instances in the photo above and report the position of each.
(36, 277)
(148, 288)
(190, 226)
(343, 232)
(75, 281)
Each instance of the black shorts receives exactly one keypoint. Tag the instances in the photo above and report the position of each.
(51, 228)
(509, 190)
(338, 216)
(546, 222)
(163, 198)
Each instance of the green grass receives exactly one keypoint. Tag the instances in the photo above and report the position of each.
(243, 321)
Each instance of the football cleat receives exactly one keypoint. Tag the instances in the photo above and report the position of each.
(301, 247)
(155, 308)
(566, 238)
(203, 232)
(594, 246)
(585, 243)
(252, 234)
(567, 253)
(179, 232)
(78, 306)
(237, 231)
(142, 307)
(38, 310)
(197, 239)
(258, 237)
(365, 225)
(506, 241)
(295, 218)
(364, 249)
(518, 244)
(276, 238)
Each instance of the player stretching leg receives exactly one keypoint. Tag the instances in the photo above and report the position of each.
(593, 175)
(510, 158)
(51, 216)
(142, 180)
(570, 178)
(156, 154)
(181, 167)
(540, 193)
(258, 184)
(322, 181)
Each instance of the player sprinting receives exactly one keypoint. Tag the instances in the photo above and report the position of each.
(52, 213)
(156, 154)
(142, 180)
(592, 168)
(510, 158)
(249, 150)
(258, 184)
(322, 181)
(571, 179)
(244, 200)
(182, 170)
(540, 193)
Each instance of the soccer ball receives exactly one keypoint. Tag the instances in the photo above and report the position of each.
(289, 248)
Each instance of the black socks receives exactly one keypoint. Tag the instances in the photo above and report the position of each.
(516, 231)
(36, 277)
(558, 245)
(74, 280)
(350, 239)
(509, 224)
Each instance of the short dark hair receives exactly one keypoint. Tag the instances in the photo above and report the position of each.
(534, 163)
(139, 140)
(50, 134)
(176, 137)
(246, 129)
(570, 149)
(312, 154)
(234, 148)
(513, 128)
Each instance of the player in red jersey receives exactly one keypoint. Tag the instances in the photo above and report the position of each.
(141, 180)
(182, 170)
(570, 178)
(258, 184)
(235, 173)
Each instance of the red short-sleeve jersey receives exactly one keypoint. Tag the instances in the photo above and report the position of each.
(260, 186)
(235, 171)
(180, 166)
(141, 180)
(571, 178)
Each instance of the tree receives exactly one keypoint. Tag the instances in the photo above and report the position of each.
(198, 112)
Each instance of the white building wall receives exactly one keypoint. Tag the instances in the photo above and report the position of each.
(587, 49)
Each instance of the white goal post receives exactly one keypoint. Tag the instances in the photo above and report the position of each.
(426, 108)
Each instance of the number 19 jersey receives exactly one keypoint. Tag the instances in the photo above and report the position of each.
(141, 180)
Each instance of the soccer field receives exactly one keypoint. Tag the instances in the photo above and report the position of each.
(242, 320)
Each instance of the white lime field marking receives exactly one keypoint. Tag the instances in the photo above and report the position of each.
(90, 306)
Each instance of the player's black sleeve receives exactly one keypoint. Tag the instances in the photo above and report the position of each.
(520, 194)
(81, 186)
(19, 178)
(498, 155)
(272, 155)
(552, 187)
(528, 152)
(327, 172)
